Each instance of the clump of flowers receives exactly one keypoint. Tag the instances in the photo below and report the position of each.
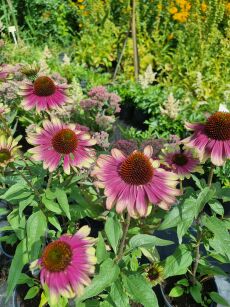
(67, 264)
(171, 107)
(101, 98)
(148, 77)
(212, 138)
(135, 182)
(104, 121)
(4, 109)
(179, 10)
(58, 141)
(126, 146)
(43, 94)
(102, 139)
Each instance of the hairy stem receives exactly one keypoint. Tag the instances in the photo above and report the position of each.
(197, 254)
(210, 176)
(181, 186)
(49, 180)
(27, 181)
(123, 240)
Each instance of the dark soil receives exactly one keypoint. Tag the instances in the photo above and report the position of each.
(9, 249)
(186, 299)
(22, 291)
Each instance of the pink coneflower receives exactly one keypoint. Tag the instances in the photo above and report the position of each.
(181, 161)
(67, 264)
(56, 141)
(8, 150)
(134, 182)
(211, 139)
(43, 94)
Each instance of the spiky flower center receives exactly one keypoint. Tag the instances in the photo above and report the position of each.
(180, 159)
(57, 256)
(44, 86)
(65, 141)
(136, 169)
(4, 155)
(217, 126)
(153, 273)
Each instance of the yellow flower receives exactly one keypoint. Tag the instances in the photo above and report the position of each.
(170, 37)
(159, 6)
(173, 10)
(81, 7)
(154, 274)
(227, 7)
(181, 17)
(204, 7)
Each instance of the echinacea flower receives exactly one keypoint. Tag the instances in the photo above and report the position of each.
(4, 109)
(8, 150)
(58, 140)
(43, 94)
(181, 161)
(134, 182)
(212, 138)
(67, 264)
(154, 274)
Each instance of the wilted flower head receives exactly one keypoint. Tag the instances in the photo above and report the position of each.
(155, 274)
(135, 182)
(8, 150)
(30, 71)
(126, 146)
(67, 264)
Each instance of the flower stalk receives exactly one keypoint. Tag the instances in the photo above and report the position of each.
(123, 240)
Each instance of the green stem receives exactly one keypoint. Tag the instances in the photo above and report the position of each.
(197, 254)
(123, 240)
(181, 187)
(36, 192)
(49, 180)
(210, 176)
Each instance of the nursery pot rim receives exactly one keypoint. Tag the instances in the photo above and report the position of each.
(168, 304)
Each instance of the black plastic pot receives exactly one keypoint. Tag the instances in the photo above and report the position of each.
(212, 285)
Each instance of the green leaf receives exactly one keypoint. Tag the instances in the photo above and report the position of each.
(196, 293)
(225, 194)
(108, 274)
(183, 282)
(36, 227)
(118, 295)
(178, 263)
(18, 262)
(54, 221)
(24, 203)
(113, 231)
(140, 290)
(32, 293)
(176, 291)
(18, 224)
(16, 192)
(63, 202)
(147, 241)
(101, 252)
(51, 205)
(217, 207)
(217, 298)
